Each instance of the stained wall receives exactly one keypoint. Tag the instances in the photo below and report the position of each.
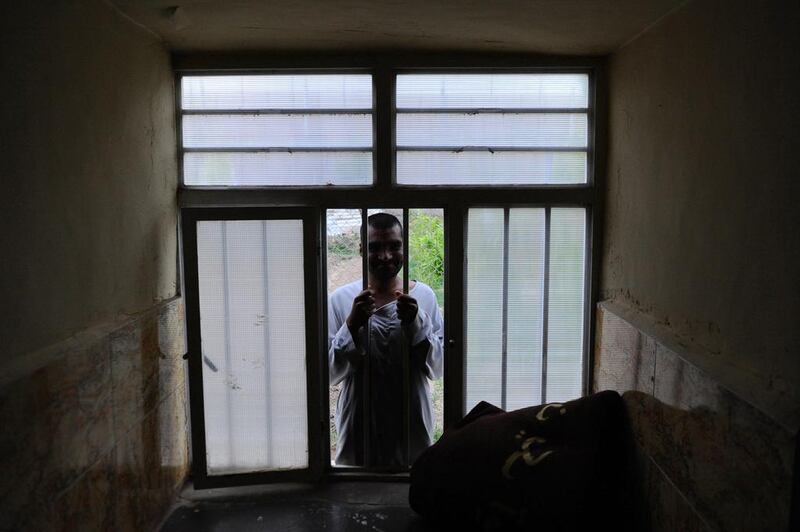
(698, 327)
(88, 211)
(92, 380)
(701, 220)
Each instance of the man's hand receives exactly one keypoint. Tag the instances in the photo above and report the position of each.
(363, 307)
(406, 307)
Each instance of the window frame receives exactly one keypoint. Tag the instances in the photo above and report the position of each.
(385, 192)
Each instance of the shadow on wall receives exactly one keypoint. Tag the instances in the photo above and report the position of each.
(708, 467)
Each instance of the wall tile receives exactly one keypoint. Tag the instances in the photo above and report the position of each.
(103, 413)
(732, 461)
(152, 460)
(625, 358)
(61, 420)
(713, 460)
(88, 505)
(135, 372)
(669, 511)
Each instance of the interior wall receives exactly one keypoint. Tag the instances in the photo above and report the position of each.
(92, 387)
(701, 226)
(88, 171)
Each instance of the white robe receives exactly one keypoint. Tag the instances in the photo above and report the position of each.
(386, 376)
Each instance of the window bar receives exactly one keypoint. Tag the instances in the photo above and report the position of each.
(365, 367)
(227, 307)
(280, 149)
(267, 370)
(406, 350)
(545, 300)
(504, 363)
(490, 149)
(489, 110)
(273, 111)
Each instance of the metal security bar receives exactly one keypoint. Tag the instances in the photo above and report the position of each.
(405, 347)
(504, 319)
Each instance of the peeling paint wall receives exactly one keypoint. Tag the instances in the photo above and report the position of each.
(88, 171)
(701, 227)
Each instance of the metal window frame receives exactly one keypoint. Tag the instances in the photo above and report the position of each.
(385, 192)
(313, 315)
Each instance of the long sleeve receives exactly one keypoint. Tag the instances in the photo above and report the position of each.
(341, 347)
(427, 333)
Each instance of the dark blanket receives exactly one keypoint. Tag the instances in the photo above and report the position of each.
(548, 467)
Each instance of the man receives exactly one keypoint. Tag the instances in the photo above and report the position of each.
(380, 319)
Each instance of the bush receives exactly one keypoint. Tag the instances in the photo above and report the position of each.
(344, 245)
(426, 248)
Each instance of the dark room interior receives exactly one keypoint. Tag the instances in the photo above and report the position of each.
(603, 191)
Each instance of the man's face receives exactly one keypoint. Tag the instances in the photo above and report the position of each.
(385, 252)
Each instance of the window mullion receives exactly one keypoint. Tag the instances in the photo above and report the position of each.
(545, 301)
(504, 354)
(455, 296)
(383, 91)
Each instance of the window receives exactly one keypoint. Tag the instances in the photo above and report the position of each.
(490, 129)
(492, 173)
(276, 130)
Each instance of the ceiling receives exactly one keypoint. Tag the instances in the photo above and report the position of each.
(575, 27)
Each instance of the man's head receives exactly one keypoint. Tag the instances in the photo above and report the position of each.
(385, 240)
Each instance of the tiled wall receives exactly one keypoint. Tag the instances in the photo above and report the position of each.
(710, 458)
(94, 435)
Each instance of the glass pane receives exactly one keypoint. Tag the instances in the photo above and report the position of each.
(257, 169)
(493, 90)
(484, 306)
(264, 131)
(485, 168)
(525, 298)
(495, 130)
(512, 333)
(566, 301)
(277, 92)
(252, 324)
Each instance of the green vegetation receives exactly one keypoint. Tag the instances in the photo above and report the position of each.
(426, 264)
(344, 245)
(426, 252)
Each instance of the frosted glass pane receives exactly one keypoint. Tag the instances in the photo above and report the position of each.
(485, 168)
(277, 92)
(495, 129)
(484, 306)
(492, 90)
(526, 229)
(566, 301)
(260, 131)
(530, 349)
(252, 325)
(297, 169)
